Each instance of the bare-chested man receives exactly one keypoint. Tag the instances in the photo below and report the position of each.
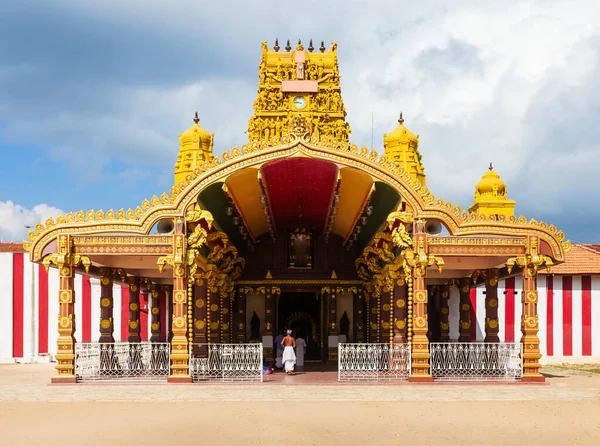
(289, 356)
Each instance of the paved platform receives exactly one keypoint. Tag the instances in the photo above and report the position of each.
(30, 383)
(566, 411)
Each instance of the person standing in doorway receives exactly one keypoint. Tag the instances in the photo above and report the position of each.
(289, 357)
(279, 347)
(300, 349)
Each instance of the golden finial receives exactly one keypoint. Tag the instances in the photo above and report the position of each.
(196, 119)
(299, 42)
(401, 119)
(322, 48)
(311, 48)
(288, 47)
(276, 47)
(491, 167)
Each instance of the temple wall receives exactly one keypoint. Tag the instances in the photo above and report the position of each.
(569, 313)
(29, 310)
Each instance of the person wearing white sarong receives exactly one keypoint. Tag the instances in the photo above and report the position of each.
(289, 357)
(300, 348)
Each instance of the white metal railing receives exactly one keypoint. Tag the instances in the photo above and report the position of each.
(373, 362)
(131, 361)
(227, 362)
(472, 361)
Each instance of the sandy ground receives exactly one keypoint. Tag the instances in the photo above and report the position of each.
(564, 412)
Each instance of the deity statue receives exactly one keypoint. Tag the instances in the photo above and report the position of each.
(300, 71)
(254, 327)
(344, 324)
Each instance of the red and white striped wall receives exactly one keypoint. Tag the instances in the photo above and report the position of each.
(29, 310)
(568, 310)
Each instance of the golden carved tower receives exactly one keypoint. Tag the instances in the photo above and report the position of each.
(401, 146)
(490, 196)
(300, 82)
(195, 148)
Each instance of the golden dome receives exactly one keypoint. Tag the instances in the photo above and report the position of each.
(196, 137)
(195, 148)
(490, 196)
(490, 184)
(401, 147)
(401, 135)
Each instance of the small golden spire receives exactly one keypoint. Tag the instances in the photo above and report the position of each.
(288, 47)
(196, 118)
(322, 48)
(491, 167)
(311, 48)
(401, 120)
(276, 47)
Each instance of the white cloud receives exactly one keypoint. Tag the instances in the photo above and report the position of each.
(14, 219)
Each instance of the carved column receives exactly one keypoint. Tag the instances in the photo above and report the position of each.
(445, 312)
(241, 314)
(359, 313)
(224, 319)
(375, 313)
(387, 316)
(65, 354)
(491, 306)
(134, 310)
(464, 287)
(106, 306)
(420, 344)
(400, 312)
(199, 347)
(179, 342)
(155, 313)
(529, 319)
(268, 292)
(367, 316)
(213, 299)
(333, 319)
(332, 352)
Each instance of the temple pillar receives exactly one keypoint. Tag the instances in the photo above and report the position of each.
(179, 342)
(529, 318)
(65, 354)
(268, 327)
(106, 306)
(464, 286)
(445, 312)
(374, 313)
(400, 311)
(241, 316)
(333, 338)
(213, 300)
(155, 313)
(359, 314)
(491, 306)
(420, 322)
(199, 347)
(134, 310)
(387, 316)
(225, 314)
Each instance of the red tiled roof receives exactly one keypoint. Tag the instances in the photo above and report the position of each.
(11, 247)
(581, 259)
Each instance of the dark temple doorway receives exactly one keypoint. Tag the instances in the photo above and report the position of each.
(301, 313)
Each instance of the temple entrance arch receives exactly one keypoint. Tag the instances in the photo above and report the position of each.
(301, 312)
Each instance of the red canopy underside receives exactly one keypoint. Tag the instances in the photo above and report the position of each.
(300, 191)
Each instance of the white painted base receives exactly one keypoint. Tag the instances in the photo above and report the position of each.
(267, 341)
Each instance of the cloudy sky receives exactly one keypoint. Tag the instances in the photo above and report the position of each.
(93, 94)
